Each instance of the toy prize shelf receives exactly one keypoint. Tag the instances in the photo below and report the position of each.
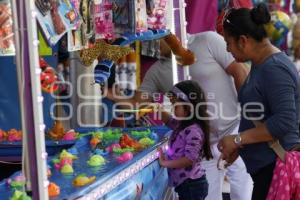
(106, 163)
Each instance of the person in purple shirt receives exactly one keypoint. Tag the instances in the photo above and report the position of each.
(189, 142)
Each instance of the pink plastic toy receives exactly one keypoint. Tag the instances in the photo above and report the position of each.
(62, 162)
(70, 135)
(111, 147)
(125, 157)
(14, 135)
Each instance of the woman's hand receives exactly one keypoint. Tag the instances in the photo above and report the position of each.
(228, 147)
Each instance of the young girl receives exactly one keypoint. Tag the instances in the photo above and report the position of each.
(189, 141)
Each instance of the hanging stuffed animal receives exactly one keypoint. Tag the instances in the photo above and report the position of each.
(183, 55)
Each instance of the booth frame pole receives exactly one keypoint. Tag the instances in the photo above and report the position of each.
(31, 97)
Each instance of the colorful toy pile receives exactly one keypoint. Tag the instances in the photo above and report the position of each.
(12, 135)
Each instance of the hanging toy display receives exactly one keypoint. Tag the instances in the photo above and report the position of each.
(7, 46)
(57, 19)
(140, 16)
(156, 10)
(131, 71)
(87, 26)
(121, 77)
(296, 38)
(75, 35)
(48, 77)
(103, 19)
(44, 6)
(123, 16)
(58, 24)
(102, 50)
(279, 27)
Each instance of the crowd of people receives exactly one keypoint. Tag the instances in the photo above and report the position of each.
(226, 111)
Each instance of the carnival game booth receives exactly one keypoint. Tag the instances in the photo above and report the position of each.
(64, 52)
(104, 170)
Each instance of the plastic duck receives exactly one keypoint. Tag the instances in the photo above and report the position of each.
(120, 151)
(82, 180)
(146, 142)
(140, 133)
(70, 135)
(125, 157)
(96, 160)
(17, 182)
(63, 161)
(57, 131)
(3, 135)
(14, 135)
(18, 195)
(101, 152)
(53, 190)
(73, 151)
(112, 135)
(65, 154)
(126, 141)
(67, 169)
(94, 141)
(111, 147)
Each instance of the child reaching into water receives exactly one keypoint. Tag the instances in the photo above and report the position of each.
(189, 142)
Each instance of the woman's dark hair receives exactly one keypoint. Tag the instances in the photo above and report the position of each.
(250, 22)
(196, 96)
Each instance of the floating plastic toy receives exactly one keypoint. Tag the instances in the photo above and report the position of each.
(95, 161)
(18, 195)
(125, 157)
(140, 133)
(82, 180)
(70, 135)
(53, 190)
(67, 169)
(111, 147)
(120, 151)
(146, 142)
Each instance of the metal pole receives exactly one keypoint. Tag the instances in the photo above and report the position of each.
(31, 97)
(20, 78)
(183, 23)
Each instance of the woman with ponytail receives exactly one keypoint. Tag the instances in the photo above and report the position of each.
(269, 97)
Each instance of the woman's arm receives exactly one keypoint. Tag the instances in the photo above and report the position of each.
(254, 135)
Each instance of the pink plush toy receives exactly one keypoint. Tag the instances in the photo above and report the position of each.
(125, 157)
